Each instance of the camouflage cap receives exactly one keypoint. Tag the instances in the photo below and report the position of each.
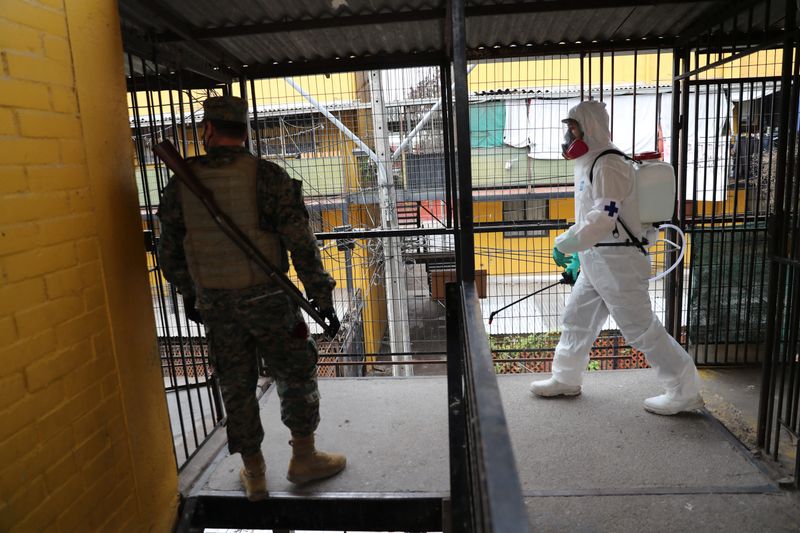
(227, 108)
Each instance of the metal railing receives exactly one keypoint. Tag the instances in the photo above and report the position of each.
(484, 483)
(779, 406)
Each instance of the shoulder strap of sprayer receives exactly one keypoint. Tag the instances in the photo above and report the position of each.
(633, 239)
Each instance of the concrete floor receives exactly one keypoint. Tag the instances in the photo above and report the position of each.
(596, 462)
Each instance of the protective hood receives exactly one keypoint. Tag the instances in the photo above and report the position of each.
(593, 119)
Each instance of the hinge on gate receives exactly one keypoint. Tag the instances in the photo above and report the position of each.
(680, 123)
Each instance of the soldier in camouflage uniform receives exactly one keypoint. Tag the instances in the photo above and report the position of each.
(241, 309)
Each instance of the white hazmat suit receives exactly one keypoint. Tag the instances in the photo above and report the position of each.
(613, 279)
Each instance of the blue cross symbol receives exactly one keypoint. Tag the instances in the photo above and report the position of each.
(611, 208)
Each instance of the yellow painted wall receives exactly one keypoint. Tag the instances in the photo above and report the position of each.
(645, 69)
(500, 255)
(85, 442)
(375, 308)
(558, 71)
(324, 88)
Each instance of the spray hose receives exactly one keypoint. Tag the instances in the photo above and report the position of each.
(680, 255)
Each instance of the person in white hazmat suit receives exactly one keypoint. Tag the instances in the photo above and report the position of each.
(613, 273)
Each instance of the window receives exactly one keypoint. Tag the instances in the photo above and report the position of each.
(526, 212)
(290, 135)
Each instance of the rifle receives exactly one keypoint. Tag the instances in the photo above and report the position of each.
(170, 156)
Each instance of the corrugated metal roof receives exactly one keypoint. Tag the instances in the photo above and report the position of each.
(251, 33)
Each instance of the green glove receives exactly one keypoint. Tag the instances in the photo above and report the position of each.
(573, 268)
(559, 257)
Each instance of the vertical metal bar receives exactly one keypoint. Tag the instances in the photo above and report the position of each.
(173, 120)
(683, 143)
(698, 221)
(756, 233)
(658, 102)
(589, 63)
(257, 128)
(447, 141)
(765, 260)
(173, 293)
(780, 360)
(712, 233)
(776, 246)
(457, 426)
(216, 412)
(613, 62)
(602, 66)
(175, 137)
(195, 132)
(786, 396)
(791, 236)
(583, 97)
(742, 333)
(677, 131)
(243, 94)
(451, 158)
(635, 74)
(184, 139)
(793, 319)
(467, 252)
(724, 291)
(190, 340)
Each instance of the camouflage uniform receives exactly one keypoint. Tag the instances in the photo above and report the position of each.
(240, 323)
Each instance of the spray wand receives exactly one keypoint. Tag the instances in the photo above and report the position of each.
(566, 279)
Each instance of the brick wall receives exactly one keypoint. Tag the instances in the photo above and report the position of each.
(66, 455)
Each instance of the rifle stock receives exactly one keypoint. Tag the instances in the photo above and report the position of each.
(170, 156)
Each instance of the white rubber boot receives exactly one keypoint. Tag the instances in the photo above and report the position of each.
(666, 405)
(550, 387)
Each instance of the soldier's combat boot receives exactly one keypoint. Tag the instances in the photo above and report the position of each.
(253, 476)
(308, 464)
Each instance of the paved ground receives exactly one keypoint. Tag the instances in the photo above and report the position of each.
(596, 462)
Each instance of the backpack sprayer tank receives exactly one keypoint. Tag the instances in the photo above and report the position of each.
(655, 182)
(655, 190)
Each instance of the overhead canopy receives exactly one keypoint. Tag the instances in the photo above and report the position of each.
(221, 39)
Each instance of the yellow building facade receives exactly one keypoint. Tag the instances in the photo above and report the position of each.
(85, 442)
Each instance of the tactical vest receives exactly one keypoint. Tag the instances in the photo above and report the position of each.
(214, 261)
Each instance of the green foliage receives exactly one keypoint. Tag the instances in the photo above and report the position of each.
(524, 342)
(540, 346)
(522, 346)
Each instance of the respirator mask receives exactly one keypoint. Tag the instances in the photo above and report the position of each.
(572, 147)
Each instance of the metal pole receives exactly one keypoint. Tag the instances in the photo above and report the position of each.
(255, 117)
(246, 98)
(675, 119)
(775, 225)
(336, 122)
(457, 421)
(446, 88)
(396, 294)
(348, 253)
(463, 162)
(682, 177)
